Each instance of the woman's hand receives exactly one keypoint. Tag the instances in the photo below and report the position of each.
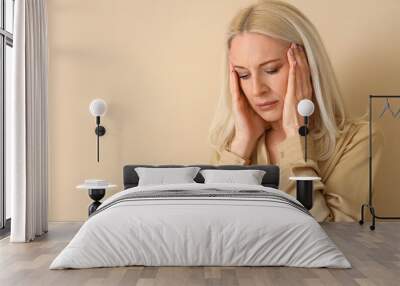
(249, 126)
(299, 87)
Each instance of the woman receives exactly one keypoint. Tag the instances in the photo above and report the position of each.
(275, 58)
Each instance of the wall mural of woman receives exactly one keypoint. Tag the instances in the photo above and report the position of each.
(274, 58)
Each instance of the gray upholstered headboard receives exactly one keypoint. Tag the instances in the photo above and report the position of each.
(270, 179)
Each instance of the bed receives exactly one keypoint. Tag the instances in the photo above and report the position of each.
(201, 224)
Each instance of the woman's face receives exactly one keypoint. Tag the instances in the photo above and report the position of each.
(263, 68)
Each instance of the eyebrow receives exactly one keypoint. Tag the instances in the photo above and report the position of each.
(264, 63)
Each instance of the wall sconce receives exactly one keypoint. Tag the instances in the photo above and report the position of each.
(305, 108)
(98, 107)
(304, 185)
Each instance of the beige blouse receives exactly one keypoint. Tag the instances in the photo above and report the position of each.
(344, 176)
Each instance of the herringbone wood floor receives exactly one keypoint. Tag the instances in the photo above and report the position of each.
(375, 257)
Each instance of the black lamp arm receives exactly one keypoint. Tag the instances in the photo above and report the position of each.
(100, 131)
(305, 138)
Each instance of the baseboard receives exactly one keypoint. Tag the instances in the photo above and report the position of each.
(5, 231)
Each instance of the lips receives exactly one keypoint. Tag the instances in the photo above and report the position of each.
(267, 103)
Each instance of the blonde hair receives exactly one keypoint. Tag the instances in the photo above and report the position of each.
(284, 21)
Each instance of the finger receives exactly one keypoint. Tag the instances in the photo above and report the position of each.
(299, 75)
(233, 82)
(303, 58)
(238, 98)
(305, 73)
(291, 88)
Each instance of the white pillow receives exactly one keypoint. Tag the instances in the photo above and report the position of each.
(161, 176)
(249, 177)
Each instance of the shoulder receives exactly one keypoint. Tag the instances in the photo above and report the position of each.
(356, 132)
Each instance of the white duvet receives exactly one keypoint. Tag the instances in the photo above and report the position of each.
(185, 231)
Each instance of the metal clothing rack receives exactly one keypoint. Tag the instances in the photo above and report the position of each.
(370, 205)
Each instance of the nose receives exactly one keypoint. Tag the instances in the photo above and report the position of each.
(258, 86)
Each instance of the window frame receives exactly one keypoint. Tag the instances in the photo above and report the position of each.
(6, 39)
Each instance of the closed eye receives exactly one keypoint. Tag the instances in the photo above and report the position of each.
(274, 71)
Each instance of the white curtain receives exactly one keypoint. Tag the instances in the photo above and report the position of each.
(26, 129)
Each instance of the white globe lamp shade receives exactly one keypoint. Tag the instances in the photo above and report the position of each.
(98, 107)
(305, 107)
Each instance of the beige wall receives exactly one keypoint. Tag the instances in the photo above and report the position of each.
(157, 64)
